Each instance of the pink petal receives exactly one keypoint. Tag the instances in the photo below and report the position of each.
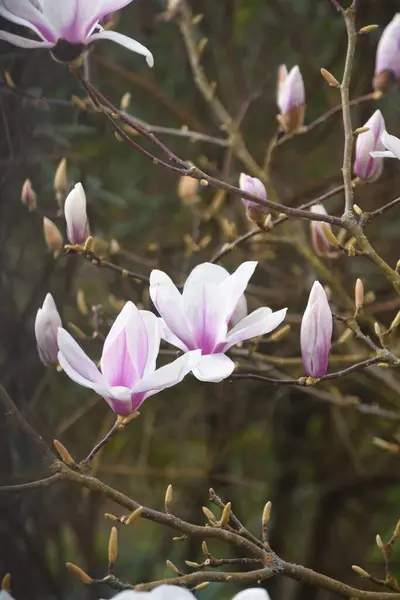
(234, 286)
(213, 368)
(152, 327)
(118, 365)
(259, 322)
(76, 363)
(206, 314)
(23, 12)
(168, 375)
(125, 41)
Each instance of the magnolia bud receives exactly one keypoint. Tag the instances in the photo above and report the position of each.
(28, 195)
(52, 236)
(125, 101)
(327, 75)
(365, 166)
(75, 215)
(359, 294)
(188, 190)
(61, 181)
(316, 332)
(255, 212)
(387, 66)
(291, 99)
(113, 546)
(46, 328)
(321, 240)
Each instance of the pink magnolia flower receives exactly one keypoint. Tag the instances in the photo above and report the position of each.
(65, 26)
(392, 145)
(46, 326)
(291, 98)
(316, 332)
(365, 166)
(199, 318)
(320, 242)
(128, 373)
(75, 215)
(175, 592)
(254, 186)
(387, 66)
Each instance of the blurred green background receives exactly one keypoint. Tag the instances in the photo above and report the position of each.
(332, 490)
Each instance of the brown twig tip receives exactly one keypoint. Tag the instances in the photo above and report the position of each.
(168, 498)
(79, 573)
(6, 583)
(134, 516)
(266, 515)
(361, 572)
(226, 514)
(329, 78)
(113, 546)
(63, 452)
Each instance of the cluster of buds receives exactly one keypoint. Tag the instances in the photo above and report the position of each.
(291, 99)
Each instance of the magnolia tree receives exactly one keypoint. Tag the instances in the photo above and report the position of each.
(199, 325)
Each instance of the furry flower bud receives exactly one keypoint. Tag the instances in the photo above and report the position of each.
(75, 215)
(365, 166)
(387, 66)
(252, 185)
(291, 98)
(46, 327)
(316, 332)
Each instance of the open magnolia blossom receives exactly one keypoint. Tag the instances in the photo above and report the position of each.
(175, 592)
(199, 318)
(128, 363)
(392, 145)
(65, 26)
(316, 332)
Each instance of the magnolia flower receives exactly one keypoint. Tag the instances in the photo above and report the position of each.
(387, 65)
(199, 318)
(175, 592)
(320, 241)
(252, 185)
(316, 332)
(392, 145)
(46, 326)
(128, 363)
(75, 215)
(365, 166)
(291, 98)
(65, 26)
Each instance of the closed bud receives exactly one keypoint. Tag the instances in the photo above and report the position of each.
(75, 215)
(46, 328)
(396, 531)
(396, 322)
(367, 167)
(125, 101)
(111, 517)
(357, 210)
(333, 82)
(387, 66)
(79, 573)
(173, 568)
(52, 237)
(323, 240)
(113, 546)
(266, 513)
(201, 586)
(192, 565)
(134, 516)
(204, 548)
(252, 185)
(61, 181)
(210, 516)
(361, 572)
(291, 99)
(6, 583)
(368, 28)
(384, 445)
(316, 332)
(377, 329)
(226, 514)
(188, 190)
(28, 195)
(63, 452)
(359, 294)
(379, 542)
(168, 498)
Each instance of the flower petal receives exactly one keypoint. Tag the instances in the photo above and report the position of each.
(259, 322)
(382, 153)
(75, 215)
(205, 273)
(153, 330)
(205, 312)
(28, 15)
(391, 143)
(168, 301)
(22, 42)
(168, 375)
(123, 40)
(252, 594)
(170, 592)
(213, 368)
(234, 286)
(76, 363)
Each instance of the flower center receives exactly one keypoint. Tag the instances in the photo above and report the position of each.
(65, 52)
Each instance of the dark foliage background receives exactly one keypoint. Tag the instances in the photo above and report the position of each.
(332, 490)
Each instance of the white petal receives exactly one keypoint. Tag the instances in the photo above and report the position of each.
(153, 329)
(170, 592)
(392, 143)
(124, 40)
(205, 312)
(22, 42)
(76, 363)
(213, 368)
(26, 14)
(259, 322)
(252, 594)
(382, 153)
(168, 375)
(205, 273)
(234, 286)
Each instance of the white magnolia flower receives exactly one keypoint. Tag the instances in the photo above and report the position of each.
(174, 592)
(392, 145)
(65, 26)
